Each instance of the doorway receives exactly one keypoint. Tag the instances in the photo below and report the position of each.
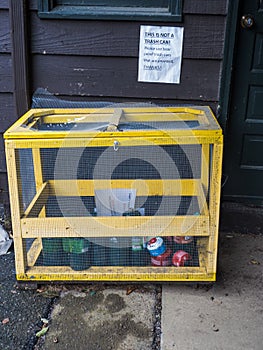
(243, 160)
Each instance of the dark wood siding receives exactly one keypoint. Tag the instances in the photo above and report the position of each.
(7, 111)
(117, 77)
(98, 60)
(111, 39)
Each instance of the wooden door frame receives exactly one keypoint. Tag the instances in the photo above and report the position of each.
(228, 62)
(233, 28)
(225, 96)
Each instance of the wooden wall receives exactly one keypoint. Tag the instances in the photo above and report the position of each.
(7, 110)
(98, 60)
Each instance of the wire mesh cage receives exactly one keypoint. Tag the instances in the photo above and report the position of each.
(115, 193)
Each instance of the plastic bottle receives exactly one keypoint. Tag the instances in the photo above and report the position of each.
(80, 253)
(53, 254)
(118, 252)
(99, 250)
(138, 254)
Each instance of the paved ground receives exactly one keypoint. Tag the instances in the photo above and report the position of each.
(225, 316)
(86, 316)
(100, 319)
(20, 310)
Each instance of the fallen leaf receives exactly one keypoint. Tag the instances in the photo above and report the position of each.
(215, 329)
(254, 262)
(129, 290)
(50, 294)
(42, 332)
(5, 321)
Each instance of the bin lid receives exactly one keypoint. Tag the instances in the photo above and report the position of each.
(105, 122)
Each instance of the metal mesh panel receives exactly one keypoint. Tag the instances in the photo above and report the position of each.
(173, 206)
(26, 176)
(137, 163)
(140, 163)
(70, 126)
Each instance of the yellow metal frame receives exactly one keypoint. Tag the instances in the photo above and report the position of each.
(29, 223)
(24, 127)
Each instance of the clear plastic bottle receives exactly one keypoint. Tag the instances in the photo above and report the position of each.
(138, 253)
(118, 251)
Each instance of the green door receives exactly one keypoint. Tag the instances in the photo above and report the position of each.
(243, 162)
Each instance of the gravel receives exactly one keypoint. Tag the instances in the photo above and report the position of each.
(20, 310)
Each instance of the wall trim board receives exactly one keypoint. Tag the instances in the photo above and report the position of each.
(189, 6)
(18, 15)
(227, 65)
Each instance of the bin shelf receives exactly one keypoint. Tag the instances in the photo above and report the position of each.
(73, 226)
(111, 273)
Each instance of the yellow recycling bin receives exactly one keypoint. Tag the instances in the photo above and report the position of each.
(118, 193)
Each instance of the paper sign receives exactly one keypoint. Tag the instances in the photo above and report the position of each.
(160, 54)
(114, 202)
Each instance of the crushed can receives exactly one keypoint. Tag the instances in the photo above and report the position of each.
(183, 239)
(185, 243)
(162, 259)
(156, 246)
(181, 258)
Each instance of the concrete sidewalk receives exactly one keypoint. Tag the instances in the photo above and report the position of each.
(227, 315)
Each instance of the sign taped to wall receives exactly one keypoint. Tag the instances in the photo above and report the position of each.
(160, 54)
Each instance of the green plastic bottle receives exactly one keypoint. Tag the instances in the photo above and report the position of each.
(79, 250)
(53, 253)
